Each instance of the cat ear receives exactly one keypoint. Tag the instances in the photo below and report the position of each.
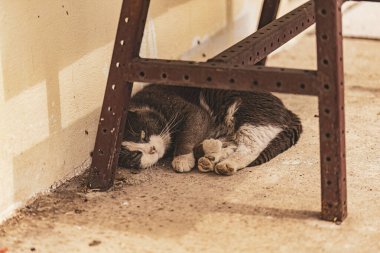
(132, 114)
(133, 110)
(142, 109)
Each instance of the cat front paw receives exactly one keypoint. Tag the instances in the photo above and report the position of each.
(226, 168)
(205, 165)
(183, 163)
(212, 146)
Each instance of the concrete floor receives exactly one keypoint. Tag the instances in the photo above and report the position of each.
(271, 208)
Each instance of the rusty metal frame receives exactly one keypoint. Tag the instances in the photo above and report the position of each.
(234, 69)
(118, 92)
(268, 14)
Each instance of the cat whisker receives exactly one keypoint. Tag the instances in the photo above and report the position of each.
(172, 123)
(170, 126)
(133, 132)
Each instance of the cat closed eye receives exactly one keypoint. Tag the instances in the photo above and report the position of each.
(143, 136)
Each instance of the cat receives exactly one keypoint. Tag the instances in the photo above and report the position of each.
(218, 131)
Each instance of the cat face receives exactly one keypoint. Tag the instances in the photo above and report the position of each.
(145, 139)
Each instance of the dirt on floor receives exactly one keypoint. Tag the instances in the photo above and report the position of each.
(271, 208)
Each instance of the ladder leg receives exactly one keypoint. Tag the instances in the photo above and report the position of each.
(331, 109)
(268, 14)
(117, 95)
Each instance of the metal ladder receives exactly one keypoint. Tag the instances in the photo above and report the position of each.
(240, 67)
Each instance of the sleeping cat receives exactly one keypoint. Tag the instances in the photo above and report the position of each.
(230, 130)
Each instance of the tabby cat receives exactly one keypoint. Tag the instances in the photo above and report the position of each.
(229, 130)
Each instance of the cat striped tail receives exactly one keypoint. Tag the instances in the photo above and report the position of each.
(283, 141)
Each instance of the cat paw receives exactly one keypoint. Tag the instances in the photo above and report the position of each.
(205, 165)
(226, 168)
(183, 163)
(212, 146)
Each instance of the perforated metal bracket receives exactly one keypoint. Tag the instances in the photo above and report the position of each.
(223, 76)
(117, 95)
(331, 109)
(270, 37)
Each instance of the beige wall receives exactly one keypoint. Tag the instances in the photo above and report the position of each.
(54, 59)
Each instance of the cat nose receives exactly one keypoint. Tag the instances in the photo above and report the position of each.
(152, 150)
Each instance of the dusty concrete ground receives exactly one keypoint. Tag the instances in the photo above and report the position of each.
(271, 208)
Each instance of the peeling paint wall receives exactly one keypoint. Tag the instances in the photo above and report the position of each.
(54, 60)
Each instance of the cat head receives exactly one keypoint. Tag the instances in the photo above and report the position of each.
(145, 140)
